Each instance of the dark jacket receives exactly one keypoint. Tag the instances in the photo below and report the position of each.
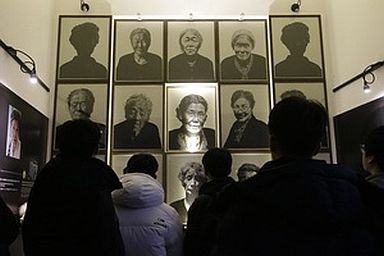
(174, 135)
(9, 228)
(70, 210)
(179, 68)
(294, 208)
(255, 135)
(148, 137)
(201, 225)
(257, 69)
(128, 69)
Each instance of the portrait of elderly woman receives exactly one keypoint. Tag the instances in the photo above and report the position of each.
(295, 37)
(192, 136)
(243, 65)
(247, 131)
(84, 38)
(137, 131)
(140, 64)
(190, 65)
(192, 177)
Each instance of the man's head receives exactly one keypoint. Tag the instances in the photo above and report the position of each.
(190, 41)
(84, 38)
(78, 138)
(373, 151)
(217, 162)
(143, 163)
(243, 42)
(297, 127)
(140, 40)
(15, 125)
(138, 109)
(242, 103)
(295, 37)
(80, 103)
(246, 171)
(192, 112)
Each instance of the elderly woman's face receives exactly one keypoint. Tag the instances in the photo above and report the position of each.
(242, 109)
(140, 44)
(193, 118)
(138, 113)
(80, 107)
(243, 47)
(190, 43)
(192, 181)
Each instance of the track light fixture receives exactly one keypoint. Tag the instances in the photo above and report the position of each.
(26, 62)
(84, 6)
(295, 7)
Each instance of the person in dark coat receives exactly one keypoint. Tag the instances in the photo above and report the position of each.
(295, 205)
(136, 131)
(9, 228)
(201, 225)
(140, 65)
(244, 65)
(192, 136)
(190, 65)
(70, 209)
(246, 131)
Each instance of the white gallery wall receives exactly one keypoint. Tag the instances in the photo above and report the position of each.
(352, 30)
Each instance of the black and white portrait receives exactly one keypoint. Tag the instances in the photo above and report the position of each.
(138, 51)
(13, 142)
(185, 175)
(243, 51)
(244, 116)
(119, 162)
(83, 102)
(297, 47)
(84, 48)
(137, 117)
(191, 116)
(191, 51)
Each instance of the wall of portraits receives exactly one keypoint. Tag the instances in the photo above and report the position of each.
(176, 88)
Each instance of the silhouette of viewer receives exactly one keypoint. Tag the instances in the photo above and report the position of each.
(295, 37)
(190, 64)
(140, 64)
(243, 64)
(137, 131)
(84, 38)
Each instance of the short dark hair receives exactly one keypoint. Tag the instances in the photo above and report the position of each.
(297, 126)
(144, 31)
(87, 30)
(143, 163)
(188, 100)
(243, 94)
(78, 138)
(15, 115)
(374, 145)
(217, 162)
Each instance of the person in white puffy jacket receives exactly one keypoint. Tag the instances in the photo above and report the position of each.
(148, 226)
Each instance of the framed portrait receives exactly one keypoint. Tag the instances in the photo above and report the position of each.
(138, 117)
(78, 101)
(243, 51)
(191, 117)
(297, 48)
(314, 91)
(238, 159)
(119, 162)
(88, 37)
(139, 51)
(191, 51)
(244, 113)
(174, 165)
(13, 145)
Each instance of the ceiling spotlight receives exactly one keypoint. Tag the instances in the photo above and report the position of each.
(295, 7)
(33, 77)
(84, 7)
(366, 88)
